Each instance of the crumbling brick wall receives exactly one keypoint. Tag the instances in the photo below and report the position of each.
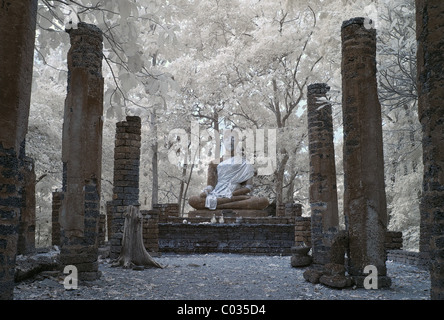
(241, 238)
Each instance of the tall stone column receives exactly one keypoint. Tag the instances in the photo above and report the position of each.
(126, 177)
(365, 204)
(323, 191)
(430, 60)
(17, 37)
(82, 152)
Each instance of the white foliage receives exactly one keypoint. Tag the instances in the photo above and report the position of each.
(240, 63)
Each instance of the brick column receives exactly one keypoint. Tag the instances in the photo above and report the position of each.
(17, 37)
(302, 231)
(82, 152)
(151, 230)
(365, 205)
(26, 240)
(430, 56)
(57, 198)
(126, 177)
(323, 192)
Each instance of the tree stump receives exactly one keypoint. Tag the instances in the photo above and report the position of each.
(133, 251)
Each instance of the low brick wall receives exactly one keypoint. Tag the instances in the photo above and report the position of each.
(150, 230)
(245, 238)
(418, 259)
(393, 240)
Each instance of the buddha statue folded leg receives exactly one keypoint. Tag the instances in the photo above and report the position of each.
(235, 202)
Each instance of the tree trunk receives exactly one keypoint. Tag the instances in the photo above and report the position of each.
(181, 190)
(279, 178)
(133, 251)
(154, 147)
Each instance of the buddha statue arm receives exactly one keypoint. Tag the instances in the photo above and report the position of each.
(211, 180)
(245, 188)
(212, 175)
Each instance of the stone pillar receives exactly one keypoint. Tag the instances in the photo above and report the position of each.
(365, 205)
(57, 198)
(302, 231)
(430, 56)
(323, 192)
(102, 230)
(126, 177)
(82, 152)
(26, 240)
(18, 23)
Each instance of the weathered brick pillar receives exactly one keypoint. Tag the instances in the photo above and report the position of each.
(323, 192)
(17, 37)
(82, 152)
(365, 204)
(126, 177)
(151, 230)
(302, 231)
(430, 56)
(26, 240)
(57, 198)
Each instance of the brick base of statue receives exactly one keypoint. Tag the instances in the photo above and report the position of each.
(230, 213)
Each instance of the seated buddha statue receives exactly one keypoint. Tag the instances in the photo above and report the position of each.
(229, 182)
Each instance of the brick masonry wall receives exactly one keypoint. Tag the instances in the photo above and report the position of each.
(302, 231)
(167, 210)
(126, 178)
(419, 259)
(150, 230)
(244, 238)
(57, 198)
(26, 240)
(393, 240)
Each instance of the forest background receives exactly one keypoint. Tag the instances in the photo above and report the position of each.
(226, 64)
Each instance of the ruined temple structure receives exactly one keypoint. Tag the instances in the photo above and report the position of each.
(126, 179)
(430, 63)
(18, 24)
(323, 192)
(82, 152)
(365, 206)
